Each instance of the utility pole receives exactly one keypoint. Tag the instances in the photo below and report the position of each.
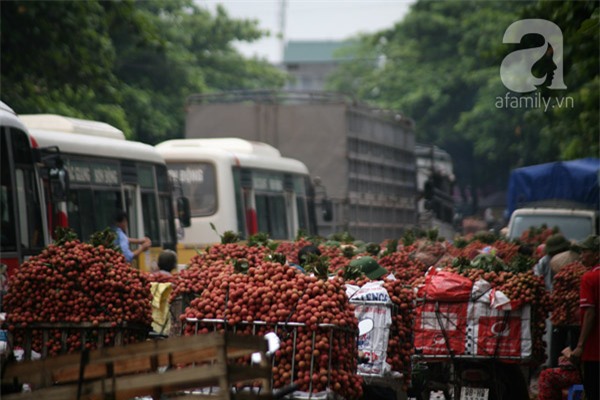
(282, 20)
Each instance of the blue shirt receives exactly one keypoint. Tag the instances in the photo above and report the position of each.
(298, 267)
(123, 242)
(542, 268)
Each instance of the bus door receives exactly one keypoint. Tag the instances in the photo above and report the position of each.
(135, 227)
(272, 206)
(132, 207)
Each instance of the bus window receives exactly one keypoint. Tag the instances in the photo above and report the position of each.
(80, 219)
(198, 183)
(104, 203)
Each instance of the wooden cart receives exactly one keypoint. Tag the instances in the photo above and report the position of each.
(171, 368)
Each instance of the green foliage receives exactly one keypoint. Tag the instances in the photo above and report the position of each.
(352, 272)
(276, 257)
(342, 237)
(63, 235)
(104, 238)
(460, 242)
(230, 237)
(440, 66)
(521, 263)
(391, 247)
(411, 235)
(261, 239)
(484, 262)
(227, 236)
(129, 63)
(318, 265)
(373, 248)
(240, 265)
(348, 251)
(486, 237)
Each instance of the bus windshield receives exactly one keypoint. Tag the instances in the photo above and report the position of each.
(20, 204)
(198, 183)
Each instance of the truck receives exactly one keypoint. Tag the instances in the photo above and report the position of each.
(361, 159)
(560, 194)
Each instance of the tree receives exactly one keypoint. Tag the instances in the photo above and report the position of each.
(129, 63)
(57, 57)
(441, 68)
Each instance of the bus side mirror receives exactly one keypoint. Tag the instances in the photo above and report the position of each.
(59, 183)
(327, 210)
(183, 212)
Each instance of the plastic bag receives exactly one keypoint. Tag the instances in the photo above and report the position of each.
(446, 286)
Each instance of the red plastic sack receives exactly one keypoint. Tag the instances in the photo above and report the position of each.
(446, 286)
(437, 322)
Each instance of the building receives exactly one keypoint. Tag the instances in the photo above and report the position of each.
(310, 63)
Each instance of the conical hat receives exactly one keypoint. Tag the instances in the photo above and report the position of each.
(561, 259)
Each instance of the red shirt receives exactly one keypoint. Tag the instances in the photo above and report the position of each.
(589, 296)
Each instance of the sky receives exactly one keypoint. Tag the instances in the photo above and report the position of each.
(310, 20)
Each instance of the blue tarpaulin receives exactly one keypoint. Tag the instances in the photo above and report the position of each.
(575, 181)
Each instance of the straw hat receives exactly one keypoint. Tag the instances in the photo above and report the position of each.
(561, 259)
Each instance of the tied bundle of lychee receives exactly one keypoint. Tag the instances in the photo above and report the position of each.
(312, 317)
(565, 294)
(80, 284)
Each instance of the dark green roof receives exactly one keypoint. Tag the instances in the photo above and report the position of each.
(312, 51)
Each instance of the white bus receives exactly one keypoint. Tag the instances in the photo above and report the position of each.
(241, 186)
(106, 173)
(22, 206)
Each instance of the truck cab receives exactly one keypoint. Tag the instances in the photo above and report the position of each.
(563, 194)
(574, 224)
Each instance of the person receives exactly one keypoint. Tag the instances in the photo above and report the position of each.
(123, 241)
(167, 262)
(161, 291)
(589, 251)
(554, 245)
(369, 267)
(562, 335)
(587, 351)
(553, 381)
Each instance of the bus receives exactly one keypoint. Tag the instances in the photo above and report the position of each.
(238, 185)
(105, 173)
(24, 231)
